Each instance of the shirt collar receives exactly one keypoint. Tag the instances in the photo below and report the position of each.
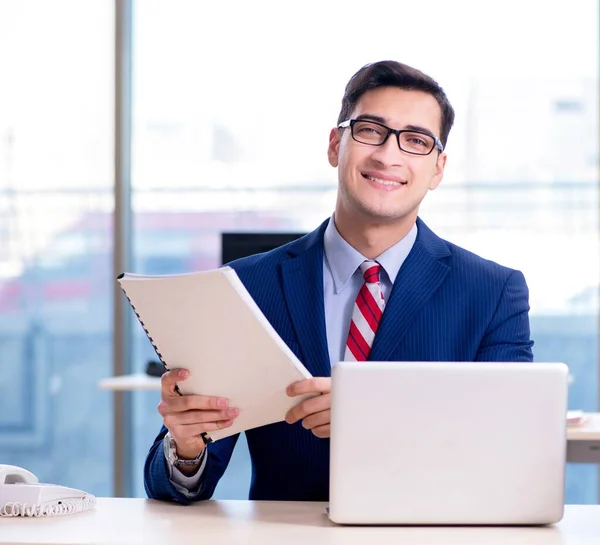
(343, 259)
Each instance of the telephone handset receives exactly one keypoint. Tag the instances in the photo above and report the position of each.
(22, 495)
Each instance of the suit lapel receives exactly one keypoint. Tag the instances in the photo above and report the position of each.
(302, 277)
(418, 279)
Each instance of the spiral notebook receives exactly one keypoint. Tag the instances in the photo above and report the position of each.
(208, 323)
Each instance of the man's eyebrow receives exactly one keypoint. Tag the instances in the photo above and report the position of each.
(418, 128)
(383, 121)
(371, 117)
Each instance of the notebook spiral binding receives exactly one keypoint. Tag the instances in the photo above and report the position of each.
(147, 333)
(205, 437)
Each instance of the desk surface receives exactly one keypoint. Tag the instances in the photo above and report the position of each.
(147, 522)
(589, 430)
(136, 381)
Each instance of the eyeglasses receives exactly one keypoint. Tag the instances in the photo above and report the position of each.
(376, 134)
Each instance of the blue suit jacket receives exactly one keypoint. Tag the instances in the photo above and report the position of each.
(446, 304)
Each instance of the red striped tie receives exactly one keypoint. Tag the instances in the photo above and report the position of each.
(366, 315)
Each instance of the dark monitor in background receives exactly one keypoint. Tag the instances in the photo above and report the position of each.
(236, 245)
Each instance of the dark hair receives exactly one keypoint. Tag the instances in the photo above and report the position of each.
(395, 74)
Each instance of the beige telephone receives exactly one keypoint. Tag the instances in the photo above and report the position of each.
(22, 495)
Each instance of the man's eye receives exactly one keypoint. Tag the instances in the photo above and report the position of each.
(416, 140)
(368, 130)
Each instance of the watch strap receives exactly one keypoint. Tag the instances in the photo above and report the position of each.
(170, 452)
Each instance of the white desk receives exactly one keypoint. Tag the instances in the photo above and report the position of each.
(588, 431)
(137, 381)
(147, 522)
(583, 442)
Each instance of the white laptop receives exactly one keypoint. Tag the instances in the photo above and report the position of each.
(446, 443)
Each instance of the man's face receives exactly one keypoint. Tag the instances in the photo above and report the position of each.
(384, 183)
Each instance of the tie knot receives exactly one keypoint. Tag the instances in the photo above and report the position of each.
(370, 270)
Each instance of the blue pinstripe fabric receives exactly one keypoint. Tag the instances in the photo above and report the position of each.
(447, 304)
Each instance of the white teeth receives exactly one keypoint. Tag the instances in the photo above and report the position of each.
(384, 182)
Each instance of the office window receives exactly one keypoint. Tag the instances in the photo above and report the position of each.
(56, 66)
(232, 112)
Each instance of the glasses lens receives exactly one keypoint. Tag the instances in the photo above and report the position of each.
(369, 133)
(417, 143)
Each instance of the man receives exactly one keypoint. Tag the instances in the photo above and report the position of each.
(373, 282)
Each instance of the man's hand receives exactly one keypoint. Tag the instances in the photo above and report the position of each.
(188, 416)
(315, 412)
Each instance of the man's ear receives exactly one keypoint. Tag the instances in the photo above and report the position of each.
(438, 172)
(333, 149)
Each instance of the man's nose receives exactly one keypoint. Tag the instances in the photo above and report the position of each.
(389, 153)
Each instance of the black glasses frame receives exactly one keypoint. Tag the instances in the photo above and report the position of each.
(351, 122)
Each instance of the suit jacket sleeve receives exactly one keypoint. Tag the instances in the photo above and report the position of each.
(157, 484)
(507, 337)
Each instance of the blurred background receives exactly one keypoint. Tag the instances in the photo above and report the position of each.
(223, 116)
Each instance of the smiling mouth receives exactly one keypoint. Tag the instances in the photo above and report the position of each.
(391, 183)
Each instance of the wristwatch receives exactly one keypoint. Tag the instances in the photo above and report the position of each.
(170, 452)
